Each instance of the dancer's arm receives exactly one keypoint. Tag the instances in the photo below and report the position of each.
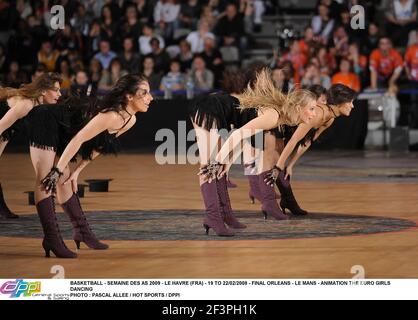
(100, 123)
(298, 135)
(303, 148)
(18, 111)
(266, 121)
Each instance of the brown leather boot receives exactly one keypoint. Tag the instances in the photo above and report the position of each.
(52, 236)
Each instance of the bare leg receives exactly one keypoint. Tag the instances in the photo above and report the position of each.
(42, 161)
(270, 155)
(208, 144)
(64, 192)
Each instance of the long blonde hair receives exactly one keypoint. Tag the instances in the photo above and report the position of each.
(264, 95)
(34, 89)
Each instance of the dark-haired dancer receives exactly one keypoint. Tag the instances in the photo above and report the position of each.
(218, 111)
(88, 129)
(15, 104)
(339, 102)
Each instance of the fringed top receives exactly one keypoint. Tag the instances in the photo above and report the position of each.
(52, 127)
(288, 131)
(220, 111)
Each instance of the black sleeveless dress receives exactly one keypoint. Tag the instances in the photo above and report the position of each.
(51, 127)
(17, 127)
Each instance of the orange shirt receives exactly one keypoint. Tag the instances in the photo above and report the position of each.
(298, 62)
(351, 80)
(411, 60)
(304, 48)
(385, 65)
(50, 60)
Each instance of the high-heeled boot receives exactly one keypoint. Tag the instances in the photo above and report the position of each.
(225, 202)
(81, 229)
(254, 192)
(52, 236)
(213, 216)
(288, 200)
(4, 209)
(269, 204)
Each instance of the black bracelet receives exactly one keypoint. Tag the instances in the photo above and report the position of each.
(55, 169)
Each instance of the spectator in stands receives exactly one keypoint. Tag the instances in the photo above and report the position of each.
(339, 42)
(15, 77)
(213, 59)
(173, 80)
(322, 24)
(203, 78)
(346, 77)
(145, 39)
(307, 43)
(65, 72)
(326, 59)
(67, 39)
(129, 59)
(92, 41)
(402, 18)
(385, 65)
(154, 78)
(371, 40)
(161, 57)
(289, 74)
(411, 62)
(81, 21)
(145, 10)
(81, 85)
(196, 38)
(357, 60)
(130, 25)
(185, 56)
(108, 23)
(190, 11)
(105, 55)
(231, 28)
(297, 58)
(166, 13)
(313, 76)
(111, 76)
(95, 71)
(334, 8)
(48, 56)
(209, 16)
(40, 69)
(37, 31)
(24, 8)
(75, 60)
(279, 80)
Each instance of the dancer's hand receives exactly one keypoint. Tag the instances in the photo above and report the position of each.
(224, 170)
(49, 183)
(210, 171)
(289, 172)
(272, 176)
(73, 178)
(250, 168)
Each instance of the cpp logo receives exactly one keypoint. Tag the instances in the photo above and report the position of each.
(20, 287)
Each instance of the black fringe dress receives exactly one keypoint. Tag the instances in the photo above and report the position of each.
(52, 126)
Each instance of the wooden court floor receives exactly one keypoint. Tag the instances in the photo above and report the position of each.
(142, 184)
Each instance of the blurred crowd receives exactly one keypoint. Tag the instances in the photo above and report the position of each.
(189, 43)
